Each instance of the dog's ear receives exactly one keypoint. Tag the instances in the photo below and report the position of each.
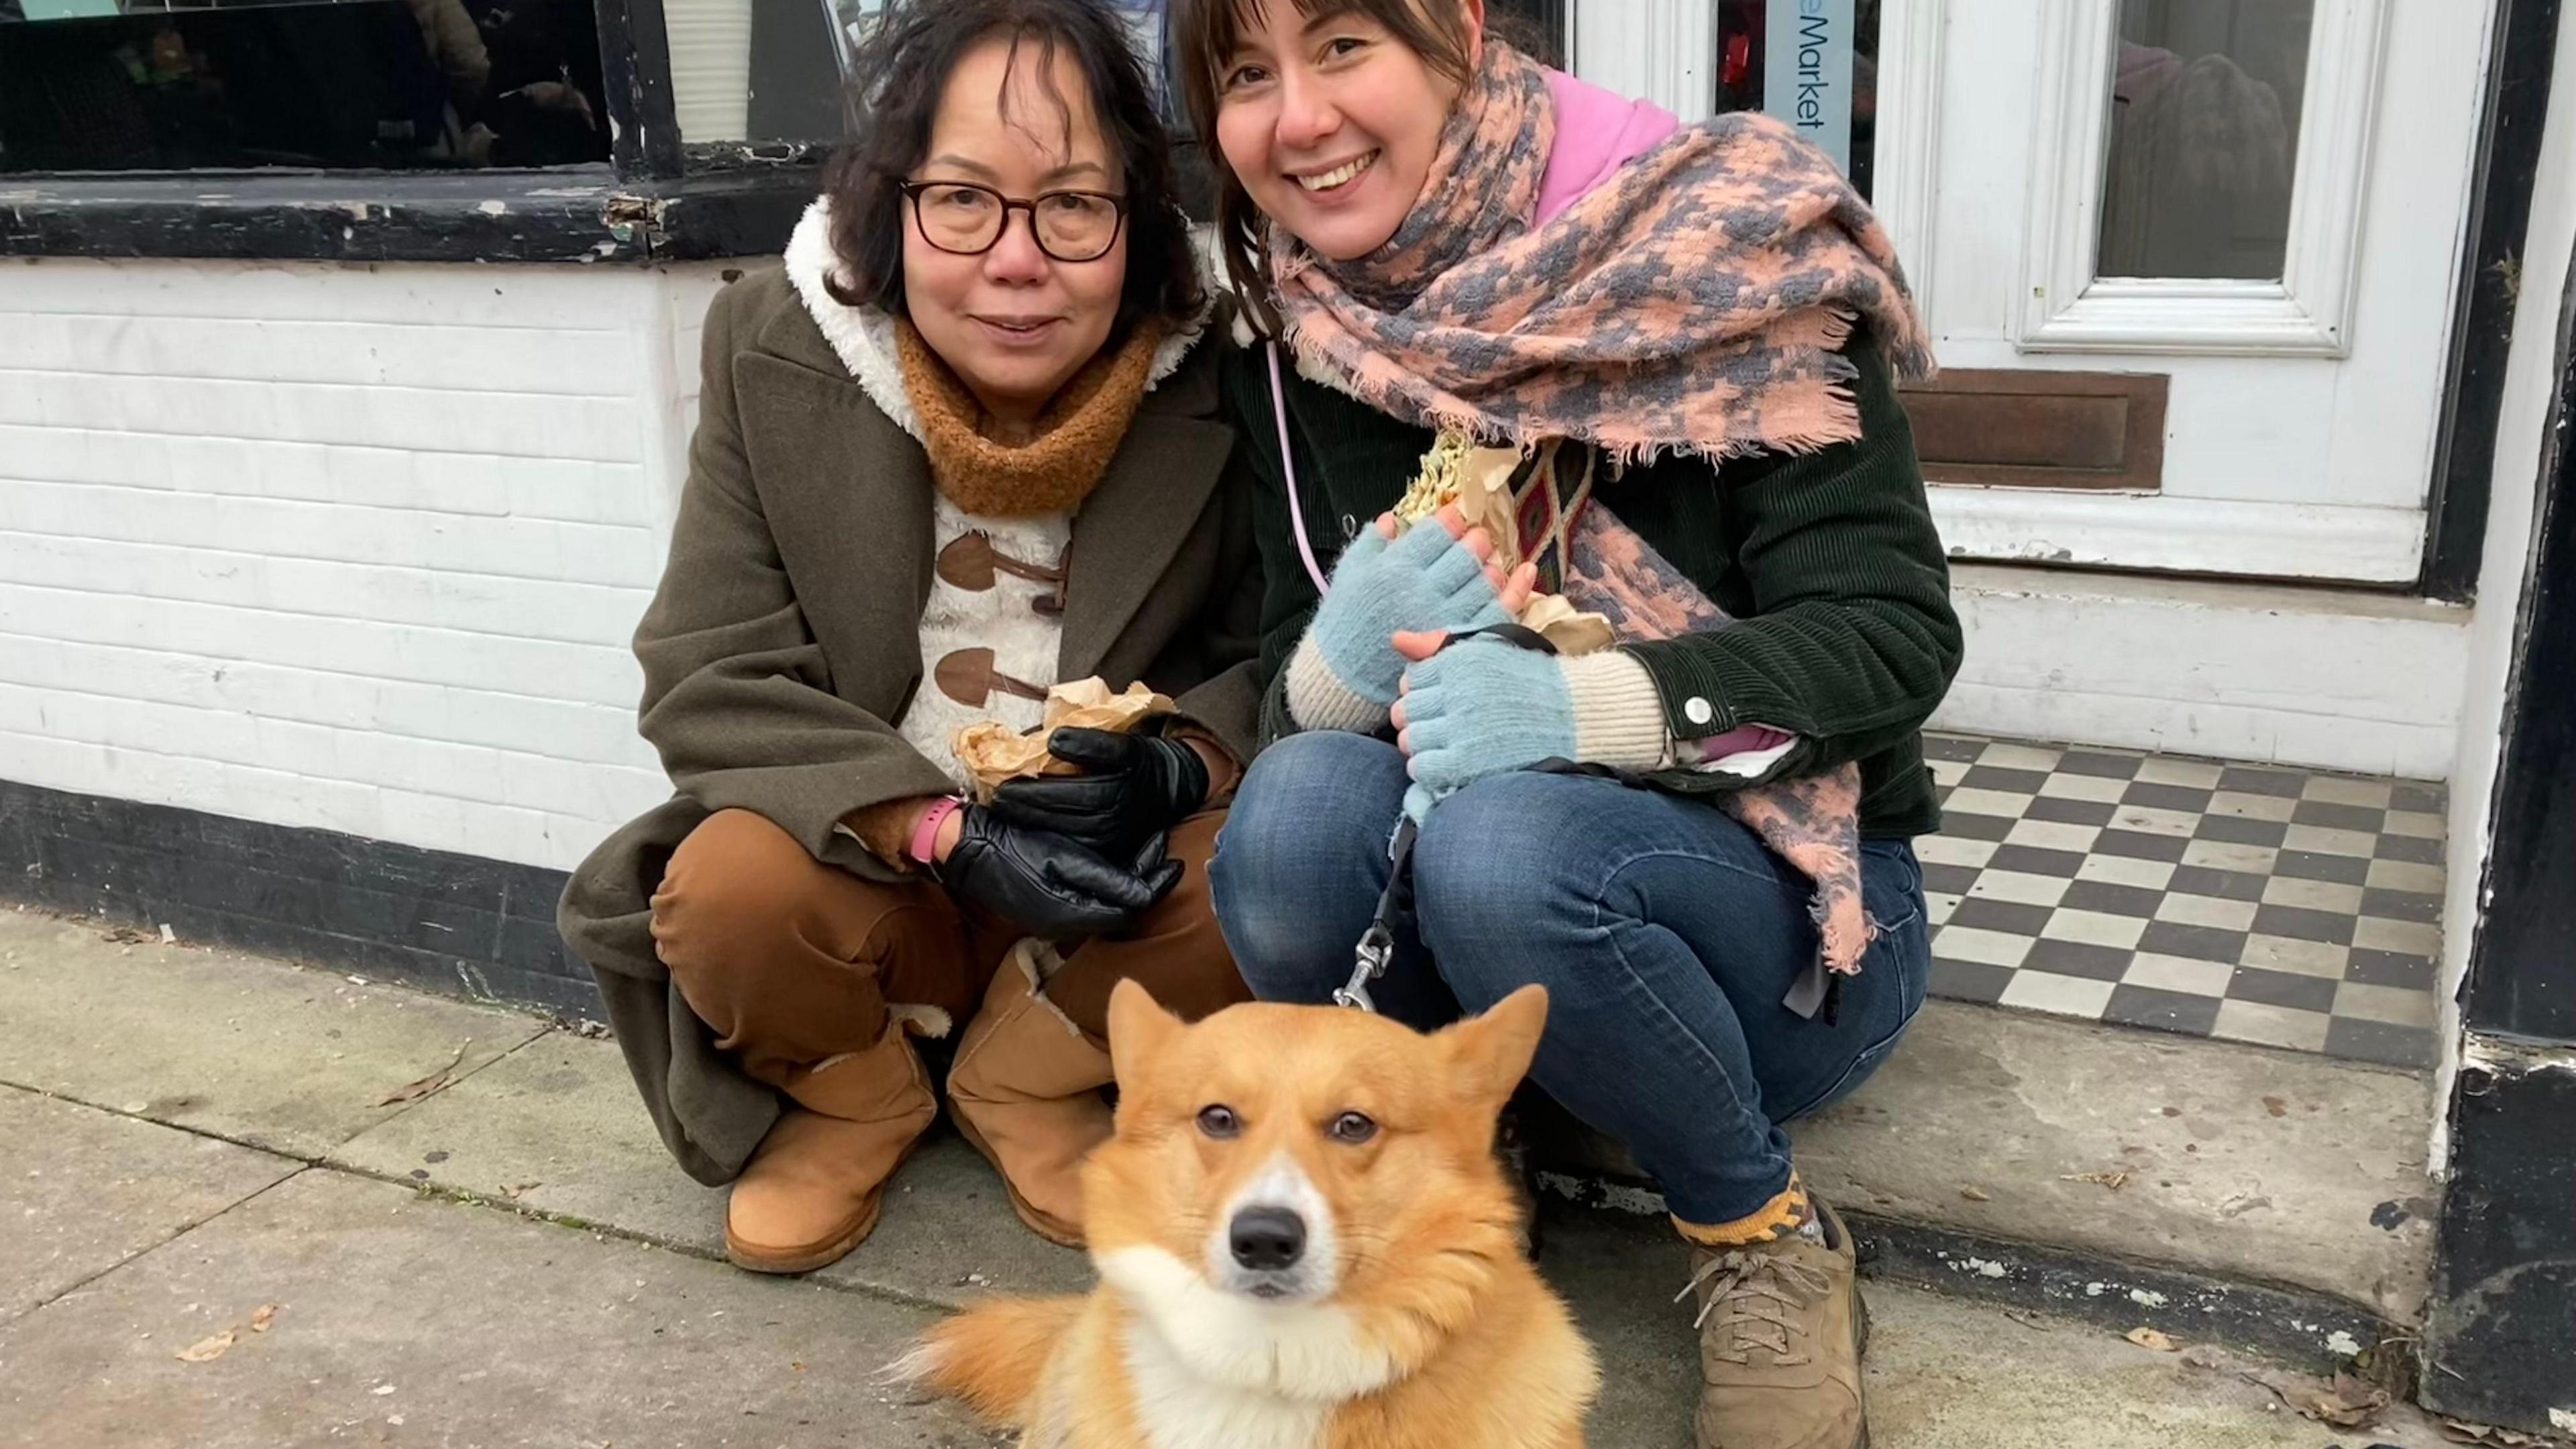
(1138, 1026)
(1489, 1054)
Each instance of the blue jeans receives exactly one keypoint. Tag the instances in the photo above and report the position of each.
(1664, 931)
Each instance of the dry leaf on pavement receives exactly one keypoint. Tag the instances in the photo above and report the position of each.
(2347, 1403)
(207, 1350)
(2463, 1432)
(414, 1091)
(262, 1316)
(2149, 1338)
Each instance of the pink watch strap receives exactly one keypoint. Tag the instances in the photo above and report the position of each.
(925, 836)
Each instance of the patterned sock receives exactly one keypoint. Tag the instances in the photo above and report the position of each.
(1792, 1212)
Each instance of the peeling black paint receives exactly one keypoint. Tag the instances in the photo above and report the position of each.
(580, 216)
(526, 216)
(2501, 1331)
(635, 64)
(2522, 975)
(458, 924)
(2501, 1328)
(2525, 45)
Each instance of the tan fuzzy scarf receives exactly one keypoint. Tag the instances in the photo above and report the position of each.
(1076, 435)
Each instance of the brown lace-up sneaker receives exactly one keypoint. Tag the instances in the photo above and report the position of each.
(1781, 1331)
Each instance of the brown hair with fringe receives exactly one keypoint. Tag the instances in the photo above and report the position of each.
(1205, 36)
(900, 77)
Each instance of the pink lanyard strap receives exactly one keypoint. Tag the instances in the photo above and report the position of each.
(1288, 474)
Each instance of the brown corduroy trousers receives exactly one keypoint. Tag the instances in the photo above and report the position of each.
(791, 961)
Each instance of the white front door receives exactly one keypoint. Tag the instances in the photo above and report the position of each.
(2261, 199)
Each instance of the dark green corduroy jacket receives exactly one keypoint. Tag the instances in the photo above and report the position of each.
(1828, 562)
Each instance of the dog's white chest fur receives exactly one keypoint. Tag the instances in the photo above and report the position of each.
(1213, 1370)
(1178, 1409)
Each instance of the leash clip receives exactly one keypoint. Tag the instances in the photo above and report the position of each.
(1376, 949)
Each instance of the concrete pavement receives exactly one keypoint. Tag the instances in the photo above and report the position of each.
(189, 1136)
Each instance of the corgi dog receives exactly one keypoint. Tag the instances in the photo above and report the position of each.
(1304, 1242)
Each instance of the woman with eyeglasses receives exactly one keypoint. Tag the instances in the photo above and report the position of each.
(961, 449)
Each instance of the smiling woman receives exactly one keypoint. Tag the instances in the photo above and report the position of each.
(1014, 311)
(926, 196)
(1335, 146)
(1456, 244)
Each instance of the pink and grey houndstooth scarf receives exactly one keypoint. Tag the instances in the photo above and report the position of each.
(1695, 301)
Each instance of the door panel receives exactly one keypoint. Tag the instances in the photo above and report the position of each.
(2303, 404)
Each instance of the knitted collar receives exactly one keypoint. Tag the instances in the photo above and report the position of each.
(1076, 434)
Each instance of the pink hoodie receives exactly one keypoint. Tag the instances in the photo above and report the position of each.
(1597, 132)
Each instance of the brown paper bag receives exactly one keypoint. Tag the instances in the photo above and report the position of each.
(993, 752)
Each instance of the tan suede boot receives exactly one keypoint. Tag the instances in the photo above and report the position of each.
(812, 1191)
(1026, 1087)
(1781, 1332)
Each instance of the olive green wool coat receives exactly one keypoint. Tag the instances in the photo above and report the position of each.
(783, 645)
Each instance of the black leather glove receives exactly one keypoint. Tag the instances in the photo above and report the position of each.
(1131, 787)
(1050, 884)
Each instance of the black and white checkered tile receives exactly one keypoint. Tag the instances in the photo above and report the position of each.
(2266, 905)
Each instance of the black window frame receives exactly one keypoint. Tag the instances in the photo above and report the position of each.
(657, 198)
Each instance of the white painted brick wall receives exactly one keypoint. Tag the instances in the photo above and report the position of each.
(361, 548)
(347, 547)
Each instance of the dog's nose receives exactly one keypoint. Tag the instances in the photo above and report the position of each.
(1267, 1239)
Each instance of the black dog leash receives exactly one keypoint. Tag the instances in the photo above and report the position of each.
(1377, 944)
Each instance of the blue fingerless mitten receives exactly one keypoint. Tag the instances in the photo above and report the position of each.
(1346, 672)
(1484, 706)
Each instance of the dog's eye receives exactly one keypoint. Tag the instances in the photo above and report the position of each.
(1353, 1128)
(1219, 1121)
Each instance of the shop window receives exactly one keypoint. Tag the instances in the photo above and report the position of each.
(2198, 174)
(2205, 106)
(98, 85)
(1812, 63)
(1538, 27)
(759, 69)
(772, 70)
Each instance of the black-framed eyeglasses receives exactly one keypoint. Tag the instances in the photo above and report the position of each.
(1070, 226)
